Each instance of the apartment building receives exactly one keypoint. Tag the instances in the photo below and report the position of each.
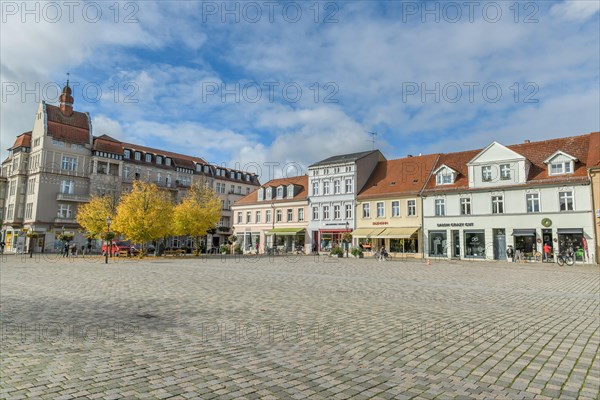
(56, 167)
(333, 186)
(479, 202)
(389, 209)
(274, 216)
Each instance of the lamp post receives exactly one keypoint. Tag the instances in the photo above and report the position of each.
(274, 236)
(108, 244)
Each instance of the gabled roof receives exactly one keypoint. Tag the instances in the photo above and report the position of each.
(300, 181)
(343, 158)
(403, 176)
(594, 152)
(534, 152)
(557, 152)
(179, 160)
(72, 129)
(107, 144)
(435, 171)
(23, 140)
(513, 154)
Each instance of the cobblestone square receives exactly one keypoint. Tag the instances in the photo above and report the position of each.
(305, 327)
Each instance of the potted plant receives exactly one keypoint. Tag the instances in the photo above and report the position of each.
(357, 252)
(224, 249)
(337, 251)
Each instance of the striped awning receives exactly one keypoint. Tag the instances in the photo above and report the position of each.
(366, 232)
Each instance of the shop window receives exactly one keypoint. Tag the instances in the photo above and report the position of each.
(438, 241)
(475, 244)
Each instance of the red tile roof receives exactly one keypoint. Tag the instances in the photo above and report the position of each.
(107, 144)
(301, 181)
(77, 119)
(72, 129)
(534, 152)
(401, 176)
(594, 153)
(180, 160)
(23, 140)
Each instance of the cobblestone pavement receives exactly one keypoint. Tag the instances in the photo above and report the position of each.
(297, 328)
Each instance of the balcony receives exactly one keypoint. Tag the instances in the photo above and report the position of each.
(80, 198)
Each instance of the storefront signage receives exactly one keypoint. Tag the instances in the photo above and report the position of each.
(380, 223)
(455, 224)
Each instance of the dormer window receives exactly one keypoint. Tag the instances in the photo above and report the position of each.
(261, 194)
(560, 163)
(280, 192)
(148, 157)
(159, 160)
(486, 173)
(290, 191)
(269, 193)
(558, 168)
(444, 176)
(126, 153)
(138, 155)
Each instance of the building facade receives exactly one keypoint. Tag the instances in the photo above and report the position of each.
(60, 164)
(333, 185)
(274, 216)
(389, 210)
(477, 203)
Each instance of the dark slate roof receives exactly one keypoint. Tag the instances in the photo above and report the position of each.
(344, 158)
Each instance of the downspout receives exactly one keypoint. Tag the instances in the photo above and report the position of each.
(423, 208)
(594, 217)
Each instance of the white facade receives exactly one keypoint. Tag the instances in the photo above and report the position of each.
(515, 216)
(501, 208)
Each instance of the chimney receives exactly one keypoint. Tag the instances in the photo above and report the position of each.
(527, 141)
(66, 101)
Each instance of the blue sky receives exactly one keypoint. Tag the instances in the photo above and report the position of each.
(189, 74)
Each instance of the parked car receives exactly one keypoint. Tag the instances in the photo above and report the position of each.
(116, 247)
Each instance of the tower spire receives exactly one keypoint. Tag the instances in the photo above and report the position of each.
(66, 99)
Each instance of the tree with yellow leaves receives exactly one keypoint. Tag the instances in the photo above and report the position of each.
(198, 213)
(144, 214)
(92, 216)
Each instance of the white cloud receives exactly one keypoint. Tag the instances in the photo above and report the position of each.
(576, 10)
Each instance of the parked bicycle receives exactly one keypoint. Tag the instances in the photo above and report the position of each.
(565, 258)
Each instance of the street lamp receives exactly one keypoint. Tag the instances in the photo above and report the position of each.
(108, 245)
(273, 230)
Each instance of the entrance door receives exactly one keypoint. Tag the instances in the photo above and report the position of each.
(499, 244)
(456, 244)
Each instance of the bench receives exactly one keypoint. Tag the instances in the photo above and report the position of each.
(175, 253)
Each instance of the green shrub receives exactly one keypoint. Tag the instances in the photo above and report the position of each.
(224, 249)
(356, 252)
(337, 251)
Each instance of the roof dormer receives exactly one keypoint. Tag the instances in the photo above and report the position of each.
(444, 175)
(269, 193)
(290, 191)
(261, 194)
(560, 163)
(279, 192)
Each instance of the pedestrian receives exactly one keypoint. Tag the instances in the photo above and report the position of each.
(66, 250)
(256, 248)
(382, 253)
(74, 250)
(2, 244)
(547, 251)
(510, 253)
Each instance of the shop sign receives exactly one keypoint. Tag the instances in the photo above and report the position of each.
(455, 224)
(380, 223)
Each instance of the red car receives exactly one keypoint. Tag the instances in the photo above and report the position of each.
(117, 247)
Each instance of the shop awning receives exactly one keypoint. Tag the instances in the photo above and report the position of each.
(285, 231)
(366, 232)
(570, 231)
(398, 233)
(523, 232)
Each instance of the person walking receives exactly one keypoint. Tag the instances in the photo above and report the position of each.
(382, 253)
(547, 251)
(2, 245)
(66, 250)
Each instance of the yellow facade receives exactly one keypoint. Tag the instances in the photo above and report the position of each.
(398, 229)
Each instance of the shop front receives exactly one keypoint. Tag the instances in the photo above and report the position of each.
(287, 239)
(329, 238)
